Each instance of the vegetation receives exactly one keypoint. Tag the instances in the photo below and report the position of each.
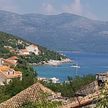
(16, 86)
(41, 104)
(16, 43)
(44, 57)
(29, 76)
(69, 88)
(8, 43)
(103, 98)
(10, 40)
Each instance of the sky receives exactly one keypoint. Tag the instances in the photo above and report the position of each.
(93, 9)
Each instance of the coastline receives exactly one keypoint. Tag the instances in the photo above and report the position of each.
(58, 62)
(52, 62)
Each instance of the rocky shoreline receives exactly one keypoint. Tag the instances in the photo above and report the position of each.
(58, 62)
(52, 62)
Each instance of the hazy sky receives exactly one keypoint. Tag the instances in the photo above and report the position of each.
(95, 9)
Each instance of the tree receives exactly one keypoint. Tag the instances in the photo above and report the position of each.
(73, 88)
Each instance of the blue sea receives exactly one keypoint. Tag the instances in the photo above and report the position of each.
(90, 63)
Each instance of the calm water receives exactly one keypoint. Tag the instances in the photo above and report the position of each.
(89, 64)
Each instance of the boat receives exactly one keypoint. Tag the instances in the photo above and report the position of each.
(75, 66)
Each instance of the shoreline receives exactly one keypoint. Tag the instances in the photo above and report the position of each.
(52, 62)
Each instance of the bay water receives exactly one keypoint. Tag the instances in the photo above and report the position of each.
(90, 63)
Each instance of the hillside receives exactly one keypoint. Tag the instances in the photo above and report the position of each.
(59, 32)
(11, 45)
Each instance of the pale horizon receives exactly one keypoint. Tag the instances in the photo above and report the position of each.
(92, 9)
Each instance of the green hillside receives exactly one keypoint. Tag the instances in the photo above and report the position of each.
(17, 43)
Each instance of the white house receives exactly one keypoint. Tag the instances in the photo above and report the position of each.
(33, 48)
(30, 49)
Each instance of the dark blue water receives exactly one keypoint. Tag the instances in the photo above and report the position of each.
(89, 64)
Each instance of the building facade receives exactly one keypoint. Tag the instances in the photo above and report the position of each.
(7, 74)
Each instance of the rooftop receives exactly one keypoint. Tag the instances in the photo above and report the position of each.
(4, 68)
(10, 73)
(24, 50)
(103, 74)
(13, 58)
(34, 46)
(11, 62)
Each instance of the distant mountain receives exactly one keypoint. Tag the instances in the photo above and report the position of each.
(60, 32)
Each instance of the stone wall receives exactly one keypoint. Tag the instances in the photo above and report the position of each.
(30, 94)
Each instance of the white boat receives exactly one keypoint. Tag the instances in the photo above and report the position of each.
(75, 66)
